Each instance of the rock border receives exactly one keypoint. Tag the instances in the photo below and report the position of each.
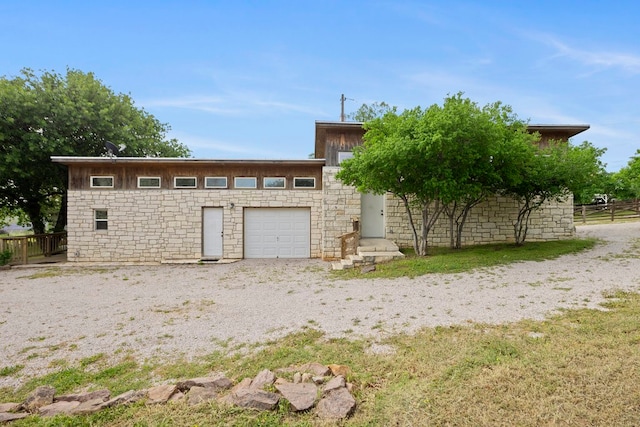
(323, 387)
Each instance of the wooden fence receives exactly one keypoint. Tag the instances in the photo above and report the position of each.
(24, 248)
(611, 211)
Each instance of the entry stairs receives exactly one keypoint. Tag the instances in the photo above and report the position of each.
(370, 251)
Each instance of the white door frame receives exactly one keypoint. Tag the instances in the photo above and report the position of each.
(212, 232)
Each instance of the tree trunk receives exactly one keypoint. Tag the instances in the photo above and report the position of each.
(34, 213)
(61, 221)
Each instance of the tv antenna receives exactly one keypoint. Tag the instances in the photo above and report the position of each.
(342, 99)
(114, 150)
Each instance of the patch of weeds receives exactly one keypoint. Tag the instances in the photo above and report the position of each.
(10, 370)
(91, 360)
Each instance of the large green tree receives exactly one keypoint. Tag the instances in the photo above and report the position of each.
(551, 173)
(626, 181)
(444, 159)
(49, 114)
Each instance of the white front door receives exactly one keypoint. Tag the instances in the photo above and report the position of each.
(212, 233)
(372, 215)
(277, 233)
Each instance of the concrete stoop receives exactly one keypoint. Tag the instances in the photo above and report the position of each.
(370, 251)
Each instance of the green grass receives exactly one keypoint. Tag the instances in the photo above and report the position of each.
(578, 368)
(445, 260)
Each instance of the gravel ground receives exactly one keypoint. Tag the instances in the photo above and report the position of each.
(69, 313)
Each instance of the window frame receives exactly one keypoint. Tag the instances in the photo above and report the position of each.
(149, 186)
(92, 177)
(313, 178)
(268, 187)
(226, 182)
(344, 155)
(97, 220)
(176, 178)
(255, 182)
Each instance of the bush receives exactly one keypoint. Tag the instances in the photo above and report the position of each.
(5, 257)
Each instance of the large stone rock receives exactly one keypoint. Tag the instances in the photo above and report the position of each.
(301, 396)
(264, 377)
(5, 417)
(60, 407)
(334, 383)
(336, 405)
(161, 393)
(218, 381)
(41, 396)
(338, 370)
(103, 394)
(199, 394)
(89, 407)
(128, 397)
(315, 368)
(9, 407)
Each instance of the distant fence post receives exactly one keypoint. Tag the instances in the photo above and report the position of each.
(584, 214)
(613, 210)
(25, 250)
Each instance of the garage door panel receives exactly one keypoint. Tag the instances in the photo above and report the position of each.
(277, 233)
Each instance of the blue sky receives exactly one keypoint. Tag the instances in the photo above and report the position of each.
(248, 79)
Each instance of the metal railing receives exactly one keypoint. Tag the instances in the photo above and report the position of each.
(24, 248)
(612, 211)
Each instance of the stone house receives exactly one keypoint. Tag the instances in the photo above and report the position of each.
(127, 209)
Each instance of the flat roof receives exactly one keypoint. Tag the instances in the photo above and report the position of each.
(172, 160)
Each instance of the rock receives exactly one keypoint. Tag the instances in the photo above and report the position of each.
(9, 407)
(60, 407)
(306, 377)
(199, 394)
(368, 268)
(255, 399)
(315, 369)
(318, 380)
(89, 407)
(40, 397)
(5, 417)
(336, 405)
(301, 396)
(125, 398)
(219, 382)
(338, 370)
(177, 396)
(160, 393)
(281, 380)
(297, 378)
(334, 384)
(83, 397)
(264, 377)
(244, 384)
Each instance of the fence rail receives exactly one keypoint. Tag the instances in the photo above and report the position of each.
(611, 211)
(23, 248)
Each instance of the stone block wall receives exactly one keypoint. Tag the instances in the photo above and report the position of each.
(340, 207)
(161, 225)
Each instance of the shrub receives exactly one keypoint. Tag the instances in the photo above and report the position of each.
(5, 257)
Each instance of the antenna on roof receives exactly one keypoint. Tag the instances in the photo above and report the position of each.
(112, 149)
(342, 99)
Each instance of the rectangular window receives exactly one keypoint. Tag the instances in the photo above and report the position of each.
(304, 183)
(274, 182)
(215, 182)
(185, 182)
(344, 155)
(101, 182)
(148, 182)
(245, 182)
(101, 219)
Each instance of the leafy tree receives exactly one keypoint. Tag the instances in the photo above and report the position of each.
(551, 174)
(65, 115)
(368, 112)
(626, 181)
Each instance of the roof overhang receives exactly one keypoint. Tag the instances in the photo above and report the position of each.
(73, 160)
(566, 130)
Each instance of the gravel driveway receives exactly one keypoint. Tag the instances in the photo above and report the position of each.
(71, 312)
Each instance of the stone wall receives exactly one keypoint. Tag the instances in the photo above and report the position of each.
(488, 222)
(161, 225)
(340, 207)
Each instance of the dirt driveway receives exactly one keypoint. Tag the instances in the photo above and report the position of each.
(75, 312)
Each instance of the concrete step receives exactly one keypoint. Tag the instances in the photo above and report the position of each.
(355, 259)
(378, 256)
(377, 245)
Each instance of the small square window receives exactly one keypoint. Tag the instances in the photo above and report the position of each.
(274, 183)
(185, 182)
(101, 219)
(101, 182)
(215, 182)
(304, 182)
(344, 155)
(245, 182)
(148, 182)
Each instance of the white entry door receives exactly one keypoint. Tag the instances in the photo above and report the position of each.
(212, 233)
(277, 233)
(372, 215)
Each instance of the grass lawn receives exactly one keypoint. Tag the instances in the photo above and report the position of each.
(578, 368)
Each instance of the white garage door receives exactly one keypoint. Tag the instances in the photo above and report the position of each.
(277, 233)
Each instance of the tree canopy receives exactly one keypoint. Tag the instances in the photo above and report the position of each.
(49, 114)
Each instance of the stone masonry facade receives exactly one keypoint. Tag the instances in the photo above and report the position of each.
(150, 226)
